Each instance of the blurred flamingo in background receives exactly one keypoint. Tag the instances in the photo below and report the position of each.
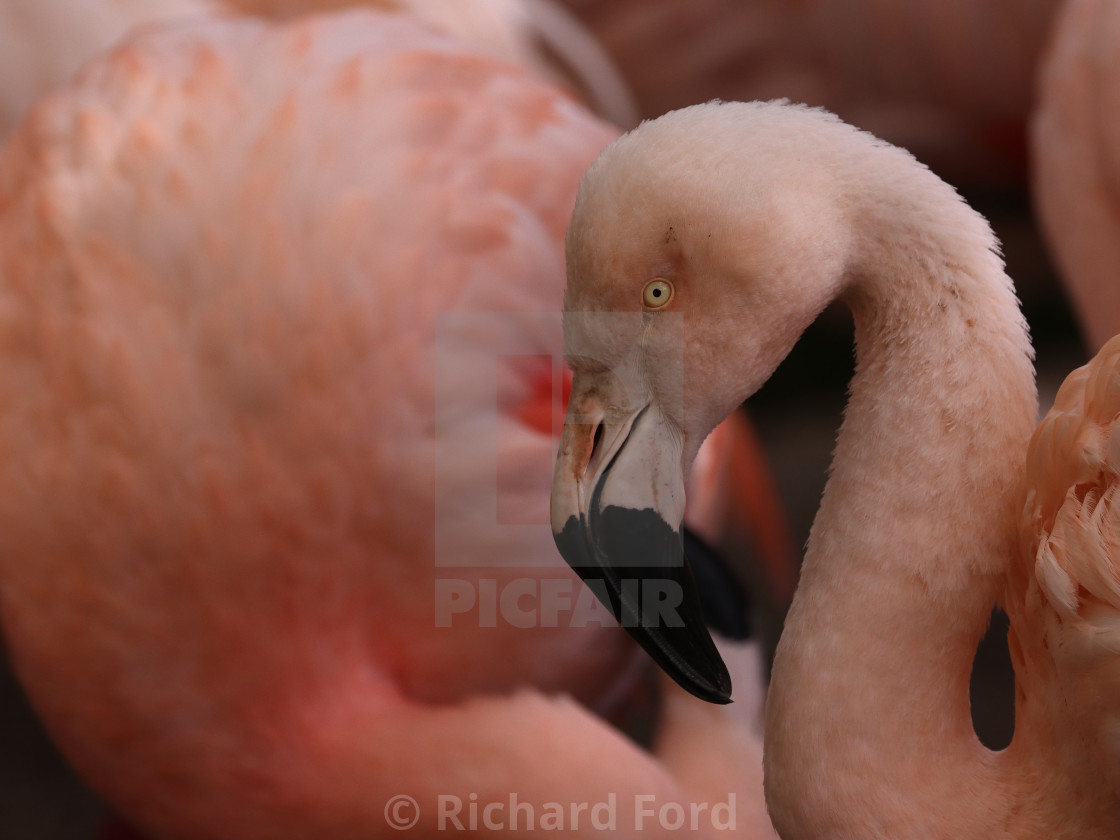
(44, 42)
(1076, 156)
(273, 353)
(929, 76)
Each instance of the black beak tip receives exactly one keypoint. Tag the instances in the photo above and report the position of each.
(633, 561)
(708, 681)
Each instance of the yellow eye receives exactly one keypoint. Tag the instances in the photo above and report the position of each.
(657, 293)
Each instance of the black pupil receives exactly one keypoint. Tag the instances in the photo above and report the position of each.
(657, 293)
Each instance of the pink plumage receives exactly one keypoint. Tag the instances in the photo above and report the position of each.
(274, 307)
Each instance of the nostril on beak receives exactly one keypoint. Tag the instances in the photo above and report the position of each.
(596, 438)
(592, 460)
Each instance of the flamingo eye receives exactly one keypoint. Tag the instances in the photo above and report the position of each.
(657, 293)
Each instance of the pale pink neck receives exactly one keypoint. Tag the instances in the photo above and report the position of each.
(869, 731)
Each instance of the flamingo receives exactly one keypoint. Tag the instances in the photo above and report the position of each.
(273, 347)
(700, 246)
(43, 43)
(1076, 144)
(929, 76)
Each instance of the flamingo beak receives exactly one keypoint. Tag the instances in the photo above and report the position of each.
(617, 508)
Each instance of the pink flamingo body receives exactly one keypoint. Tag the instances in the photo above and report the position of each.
(271, 300)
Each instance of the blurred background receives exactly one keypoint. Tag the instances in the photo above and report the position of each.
(955, 81)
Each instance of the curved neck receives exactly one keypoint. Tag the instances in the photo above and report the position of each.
(869, 732)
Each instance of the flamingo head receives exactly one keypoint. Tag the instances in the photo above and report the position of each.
(694, 263)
